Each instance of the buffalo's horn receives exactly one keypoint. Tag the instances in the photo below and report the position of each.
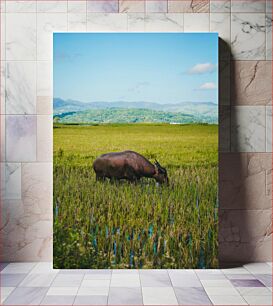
(157, 163)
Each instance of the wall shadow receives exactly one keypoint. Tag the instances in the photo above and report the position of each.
(233, 221)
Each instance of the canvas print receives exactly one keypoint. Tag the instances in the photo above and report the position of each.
(135, 150)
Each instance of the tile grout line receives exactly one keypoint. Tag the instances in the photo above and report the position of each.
(67, 29)
(172, 286)
(111, 273)
(266, 132)
(36, 80)
(5, 86)
(141, 289)
(266, 43)
(26, 274)
(203, 286)
(29, 273)
(236, 289)
(78, 288)
(49, 288)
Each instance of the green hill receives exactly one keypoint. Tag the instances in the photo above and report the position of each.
(125, 115)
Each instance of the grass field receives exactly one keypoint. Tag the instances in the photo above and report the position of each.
(123, 225)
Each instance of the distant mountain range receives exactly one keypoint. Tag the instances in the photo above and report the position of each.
(121, 111)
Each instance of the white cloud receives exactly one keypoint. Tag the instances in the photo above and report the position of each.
(208, 86)
(202, 68)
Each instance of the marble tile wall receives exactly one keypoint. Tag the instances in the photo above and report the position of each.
(245, 97)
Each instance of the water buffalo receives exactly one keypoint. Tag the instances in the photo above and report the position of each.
(128, 165)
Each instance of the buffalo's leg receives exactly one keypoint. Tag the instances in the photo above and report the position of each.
(131, 175)
(134, 179)
(100, 178)
(113, 180)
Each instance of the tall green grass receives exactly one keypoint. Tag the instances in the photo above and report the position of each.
(124, 225)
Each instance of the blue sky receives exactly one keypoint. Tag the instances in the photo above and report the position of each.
(151, 67)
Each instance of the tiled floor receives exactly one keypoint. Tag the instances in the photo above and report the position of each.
(39, 284)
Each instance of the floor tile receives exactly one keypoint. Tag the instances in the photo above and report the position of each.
(259, 268)
(254, 291)
(212, 274)
(238, 270)
(227, 300)
(176, 282)
(93, 291)
(266, 279)
(62, 291)
(91, 300)
(221, 291)
(246, 283)
(67, 280)
(3, 265)
(97, 276)
(58, 300)
(155, 278)
(72, 271)
(159, 272)
(182, 271)
(125, 280)
(11, 280)
(125, 271)
(26, 296)
(5, 292)
(17, 268)
(240, 276)
(208, 271)
(180, 279)
(192, 296)
(159, 296)
(43, 267)
(96, 283)
(258, 299)
(216, 283)
(125, 296)
(253, 284)
(98, 271)
(182, 274)
(38, 280)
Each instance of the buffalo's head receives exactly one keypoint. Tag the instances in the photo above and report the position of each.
(160, 175)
